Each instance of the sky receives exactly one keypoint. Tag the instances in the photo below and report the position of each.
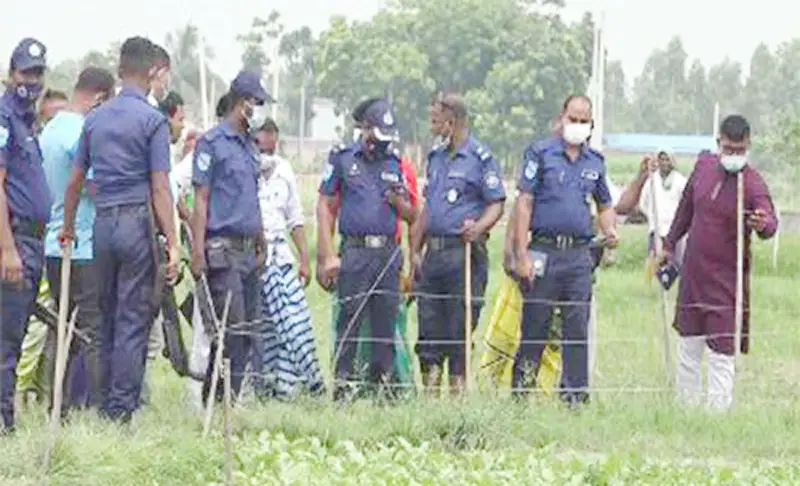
(711, 29)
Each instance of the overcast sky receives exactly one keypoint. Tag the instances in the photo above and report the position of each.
(711, 29)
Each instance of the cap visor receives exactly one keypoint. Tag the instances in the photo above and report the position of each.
(385, 135)
(30, 66)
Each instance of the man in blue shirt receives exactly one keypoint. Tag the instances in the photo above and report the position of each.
(560, 177)
(126, 142)
(24, 211)
(229, 246)
(464, 198)
(59, 142)
(364, 184)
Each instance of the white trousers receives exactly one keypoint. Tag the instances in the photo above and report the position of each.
(198, 357)
(689, 380)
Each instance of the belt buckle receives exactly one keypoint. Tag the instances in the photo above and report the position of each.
(436, 243)
(564, 242)
(373, 241)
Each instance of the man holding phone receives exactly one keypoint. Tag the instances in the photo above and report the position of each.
(560, 178)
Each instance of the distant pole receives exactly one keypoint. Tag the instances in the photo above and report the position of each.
(597, 81)
(301, 118)
(201, 55)
(715, 130)
(276, 78)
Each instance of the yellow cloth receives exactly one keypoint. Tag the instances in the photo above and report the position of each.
(502, 341)
(30, 371)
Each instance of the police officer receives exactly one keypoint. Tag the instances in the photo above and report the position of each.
(464, 198)
(560, 177)
(229, 242)
(24, 211)
(363, 185)
(126, 142)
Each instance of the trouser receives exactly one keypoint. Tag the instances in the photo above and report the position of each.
(16, 306)
(232, 269)
(567, 282)
(368, 287)
(689, 381)
(441, 307)
(83, 377)
(126, 270)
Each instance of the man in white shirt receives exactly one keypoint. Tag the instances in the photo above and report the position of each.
(669, 185)
(284, 359)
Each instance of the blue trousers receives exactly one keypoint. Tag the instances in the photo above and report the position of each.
(234, 270)
(361, 269)
(16, 307)
(567, 282)
(126, 270)
(441, 307)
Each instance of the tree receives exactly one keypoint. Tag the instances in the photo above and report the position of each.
(699, 116)
(759, 99)
(296, 47)
(617, 107)
(262, 31)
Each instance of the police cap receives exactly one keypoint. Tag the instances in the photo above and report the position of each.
(29, 54)
(247, 84)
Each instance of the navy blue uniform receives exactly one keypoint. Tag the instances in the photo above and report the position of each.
(226, 161)
(459, 188)
(370, 257)
(124, 141)
(29, 200)
(561, 229)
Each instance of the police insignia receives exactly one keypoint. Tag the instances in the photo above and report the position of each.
(203, 161)
(452, 196)
(388, 118)
(492, 181)
(530, 169)
(35, 50)
(328, 172)
(3, 137)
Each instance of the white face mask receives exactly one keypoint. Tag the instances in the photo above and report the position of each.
(733, 163)
(577, 133)
(257, 119)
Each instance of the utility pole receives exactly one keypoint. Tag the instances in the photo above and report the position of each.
(301, 118)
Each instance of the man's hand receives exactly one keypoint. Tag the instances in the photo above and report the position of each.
(304, 272)
(611, 238)
(328, 271)
(470, 231)
(664, 257)
(648, 165)
(11, 269)
(416, 267)
(524, 268)
(261, 255)
(66, 236)
(508, 261)
(198, 262)
(173, 262)
(756, 220)
(396, 197)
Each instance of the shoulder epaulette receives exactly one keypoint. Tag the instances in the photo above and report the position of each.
(482, 152)
(338, 148)
(598, 154)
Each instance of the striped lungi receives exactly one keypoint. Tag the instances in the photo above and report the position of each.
(286, 347)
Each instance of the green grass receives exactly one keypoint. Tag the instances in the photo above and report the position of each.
(632, 433)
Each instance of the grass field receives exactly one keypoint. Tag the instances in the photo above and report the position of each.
(632, 433)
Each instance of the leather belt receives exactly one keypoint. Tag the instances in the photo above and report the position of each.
(439, 243)
(28, 228)
(369, 241)
(561, 242)
(242, 243)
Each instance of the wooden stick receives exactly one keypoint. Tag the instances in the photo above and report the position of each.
(63, 312)
(55, 418)
(664, 307)
(468, 317)
(226, 421)
(776, 241)
(212, 390)
(739, 310)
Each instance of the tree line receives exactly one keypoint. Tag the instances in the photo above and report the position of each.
(513, 60)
